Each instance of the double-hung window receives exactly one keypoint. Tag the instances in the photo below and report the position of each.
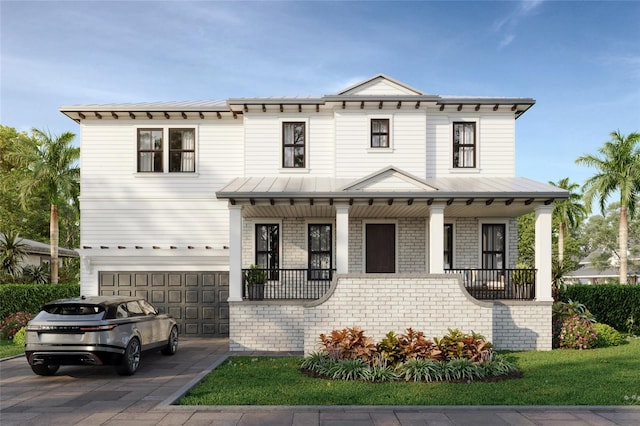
(493, 246)
(181, 150)
(379, 133)
(268, 248)
(150, 149)
(293, 144)
(320, 252)
(448, 246)
(464, 145)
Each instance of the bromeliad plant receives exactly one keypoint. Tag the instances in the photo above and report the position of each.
(348, 354)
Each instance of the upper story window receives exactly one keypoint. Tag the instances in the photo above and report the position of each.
(150, 150)
(293, 144)
(464, 145)
(182, 150)
(379, 133)
(180, 155)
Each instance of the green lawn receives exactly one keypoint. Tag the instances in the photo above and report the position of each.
(7, 349)
(561, 377)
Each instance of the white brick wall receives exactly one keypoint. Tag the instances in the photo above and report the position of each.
(380, 303)
(412, 244)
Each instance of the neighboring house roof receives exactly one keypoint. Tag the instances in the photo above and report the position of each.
(369, 91)
(36, 247)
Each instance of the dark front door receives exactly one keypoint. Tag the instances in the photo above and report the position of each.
(381, 247)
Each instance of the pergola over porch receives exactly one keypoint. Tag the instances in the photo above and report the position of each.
(391, 193)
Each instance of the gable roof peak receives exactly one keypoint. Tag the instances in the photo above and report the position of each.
(380, 79)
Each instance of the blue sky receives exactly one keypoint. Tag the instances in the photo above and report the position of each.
(579, 60)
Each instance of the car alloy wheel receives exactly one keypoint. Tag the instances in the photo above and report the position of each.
(130, 359)
(172, 344)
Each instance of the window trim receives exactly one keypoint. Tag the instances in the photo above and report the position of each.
(459, 145)
(481, 225)
(267, 222)
(140, 151)
(379, 149)
(331, 251)
(166, 150)
(170, 150)
(372, 133)
(451, 250)
(305, 144)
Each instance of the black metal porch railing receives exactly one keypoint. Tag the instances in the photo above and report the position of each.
(494, 284)
(290, 284)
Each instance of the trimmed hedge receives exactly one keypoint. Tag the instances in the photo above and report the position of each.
(31, 297)
(612, 304)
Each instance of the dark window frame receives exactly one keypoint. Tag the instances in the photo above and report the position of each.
(294, 146)
(489, 250)
(460, 145)
(376, 135)
(448, 245)
(313, 253)
(159, 153)
(272, 252)
(181, 151)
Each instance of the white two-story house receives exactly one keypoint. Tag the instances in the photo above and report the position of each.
(380, 206)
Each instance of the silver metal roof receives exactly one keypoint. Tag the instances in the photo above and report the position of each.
(151, 106)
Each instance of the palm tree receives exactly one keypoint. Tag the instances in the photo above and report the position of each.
(618, 169)
(12, 251)
(569, 213)
(49, 165)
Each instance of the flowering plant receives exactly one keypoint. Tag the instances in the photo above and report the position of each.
(13, 323)
(578, 333)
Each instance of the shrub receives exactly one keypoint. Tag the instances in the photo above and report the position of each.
(499, 366)
(561, 311)
(389, 349)
(414, 344)
(348, 343)
(31, 297)
(19, 339)
(612, 304)
(13, 323)
(350, 369)
(472, 346)
(421, 370)
(577, 333)
(608, 336)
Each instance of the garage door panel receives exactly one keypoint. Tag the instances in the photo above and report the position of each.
(197, 300)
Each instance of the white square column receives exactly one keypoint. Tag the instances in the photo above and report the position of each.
(543, 253)
(436, 239)
(235, 253)
(342, 239)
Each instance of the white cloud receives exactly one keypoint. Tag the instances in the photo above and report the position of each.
(508, 25)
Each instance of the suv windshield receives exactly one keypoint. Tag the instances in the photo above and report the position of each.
(73, 309)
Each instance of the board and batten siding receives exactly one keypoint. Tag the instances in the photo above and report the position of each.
(354, 156)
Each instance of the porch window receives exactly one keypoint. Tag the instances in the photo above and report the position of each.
(268, 248)
(293, 144)
(448, 246)
(320, 252)
(464, 145)
(182, 150)
(150, 150)
(493, 246)
(380, 133)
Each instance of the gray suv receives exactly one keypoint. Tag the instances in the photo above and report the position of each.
(97, 330)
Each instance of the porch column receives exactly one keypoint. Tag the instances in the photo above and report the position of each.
(543, 253)
(342, 239)
(235, 253)
(436, 239)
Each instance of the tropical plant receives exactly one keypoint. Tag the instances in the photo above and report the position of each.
(12, 251)
(255, 275)
(32, 274)
(458, 344)
(414, 344)
(348, 343)
(618, 170)
(608, 336)
(20, 337)
(568, 213)
(13, 323)
(389, 349)
(577, 333)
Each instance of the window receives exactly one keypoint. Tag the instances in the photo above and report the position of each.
(150, 150)
(493, 246)
(448, 246)
(182, 150)
(379, 133)
(464, 145)
(293, 144)
(320, 252)
(181, 155)
(268, 248)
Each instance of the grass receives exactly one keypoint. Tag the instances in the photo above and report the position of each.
(7, 349)
(601, 376)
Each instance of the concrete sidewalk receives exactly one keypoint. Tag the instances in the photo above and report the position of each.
(97, 396)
